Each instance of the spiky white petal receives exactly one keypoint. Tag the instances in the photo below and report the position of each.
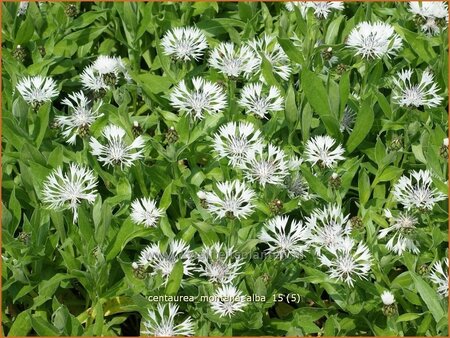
(347, 262)
(116, 151)
(268, 47)
(161, 323)
(402, 229)
(66, 190)
(266, 165)
(23, 6)
(328, 227)
(144, 211)
(205, 98)
(439, 276)
(234, 141)
(430, 12)
(416, 192)
(374, 40)
(163, 262)
(234, 61)
(36, 90)
(82, 115)
(387, 298)
(408, 94)
(318, 150)
(228, 300)
(257, 102)
(285, 241)
(219, 263)
(233, 199)
(321, 8)
(184, 43)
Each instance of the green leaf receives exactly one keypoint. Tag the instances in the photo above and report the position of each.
(26, 30)
(363, 187)
(429, 296)
(363, 124)
(21, 325)
(175, 279)
(317, 97)
(407, 317)
(291, 111)
(43, 328)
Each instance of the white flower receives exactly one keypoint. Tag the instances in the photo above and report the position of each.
(66, 191)
(254, 101)
(297, 186)
(387, 298)
(374, 40)
(347, 120)
(144, 211)
(81, 118)
(233, 200)
(318, 150)
(272, 51)
(345, 262)
(266, 167)
(328, 227)
(285, 241)
(91, 80)
(321, 8)
(104, 73)
(235, 140)
(188, 43)
(407, 94)
(205, 98)
(163, 262)
(219, 263)
(23, 6)
(233, 61)
(161, 323)
(445, 142)
(439, 276)
(116, 152)
(37, 89)
(228, 300)
(415, 191)
(403, 228)
(430, 13)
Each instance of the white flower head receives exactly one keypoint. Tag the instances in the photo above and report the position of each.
(254, 101)
(387, 298)
(408, 94)
(445, 142)
(297, 186)
(185, 44)
(234, 61)
(228, 300)
(321, 8)
(36, 90)
(66, 190)
(285, 241)
(374, 40)
(439, 276)
(205, 98)
(415, 191)
(116, 151)
(319, 150)
(272, 51)
(234, 141)
(402, 231)
(103, 73)
(163, 262)
(219, 263)
(328, 227)
(266, 165)
(81, 117)
(347, 120)
(145, 212)
(233, 200)
(347, 262)
(161, 323)
(432, 15)
(23, 6)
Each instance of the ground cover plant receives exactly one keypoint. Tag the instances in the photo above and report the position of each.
(224, 168)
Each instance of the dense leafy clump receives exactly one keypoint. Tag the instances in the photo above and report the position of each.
(224, 168)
